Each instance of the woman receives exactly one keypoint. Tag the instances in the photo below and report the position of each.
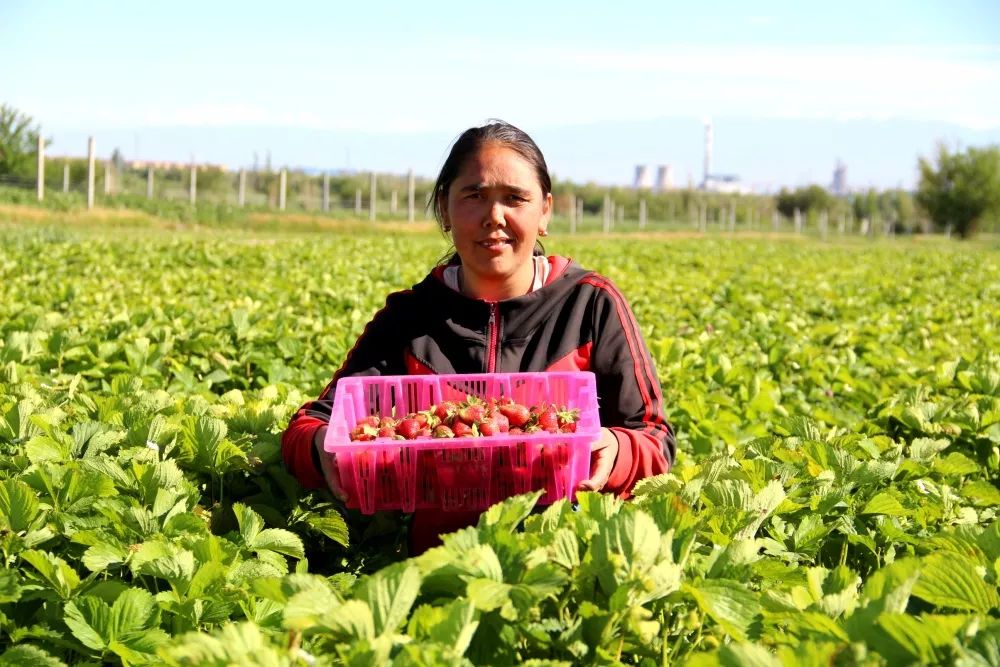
(498, 305)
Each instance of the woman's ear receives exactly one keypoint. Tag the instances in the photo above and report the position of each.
(543, 222)
(443, 208)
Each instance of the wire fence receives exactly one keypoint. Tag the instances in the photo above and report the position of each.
(118, 183)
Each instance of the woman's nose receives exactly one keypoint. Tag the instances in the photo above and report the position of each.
(496, 217)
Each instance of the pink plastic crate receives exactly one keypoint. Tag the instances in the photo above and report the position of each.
(459, 473)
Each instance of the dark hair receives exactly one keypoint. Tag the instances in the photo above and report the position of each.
(494, 131)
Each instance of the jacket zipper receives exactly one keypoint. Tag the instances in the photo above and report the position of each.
(493, 338)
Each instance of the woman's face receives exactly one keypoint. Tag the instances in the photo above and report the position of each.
(496, 209)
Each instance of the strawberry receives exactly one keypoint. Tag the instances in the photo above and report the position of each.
(387, 432)
(517, 415)
(471, 411)
(408, 428)
(442, 431)
(515, 430)
(370, 420)
(387, 422)
(503, 424)
(548, 420)
(364, 432)
(462, 430)
(488, 427)
(568, 427)
(568, 416)
(445, 410)
(425, 432)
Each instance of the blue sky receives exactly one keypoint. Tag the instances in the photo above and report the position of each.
(790, 86)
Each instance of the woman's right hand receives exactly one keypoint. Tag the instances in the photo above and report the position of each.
(329, 466)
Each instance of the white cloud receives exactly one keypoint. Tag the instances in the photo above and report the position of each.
(455, 83)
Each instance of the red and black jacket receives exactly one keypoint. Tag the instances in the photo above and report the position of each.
(577, 321)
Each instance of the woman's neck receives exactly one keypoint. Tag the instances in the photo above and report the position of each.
(517, 285)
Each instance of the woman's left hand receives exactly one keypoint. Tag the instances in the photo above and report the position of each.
(603, 453)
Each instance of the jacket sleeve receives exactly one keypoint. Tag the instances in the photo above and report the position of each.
(629, 394)
(378, 351)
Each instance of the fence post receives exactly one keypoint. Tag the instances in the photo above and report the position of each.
(642, 214)
(372, 198)
(703, 217)
(241, 189)
(326, 192)
(282, 188)
(65, 177)
(393, 202)
(797, 218)
(579, 211)
(732, 217)
(775, 220)
(572, 214)
(149, 183)
(621, 215)
(107, 177)
(606, 214)
(411, 187)
(193, 190)
(90, 173)
(357, 202)
(41, 168)
(824, 221)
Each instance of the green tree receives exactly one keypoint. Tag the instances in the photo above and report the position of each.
(810, 199)
(18, 142)
(961, 189)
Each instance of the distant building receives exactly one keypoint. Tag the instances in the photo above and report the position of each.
(723, 183)
(166, 164)
(839, 185)
(664, 178)
(726, 184)
(643, 181)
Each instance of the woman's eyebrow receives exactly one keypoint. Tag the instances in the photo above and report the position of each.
(479, 187)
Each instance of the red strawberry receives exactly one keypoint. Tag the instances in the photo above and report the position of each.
(548, 420)
(488, 427)
(425, 432)
(443, 431)
(462, 430)
(517, 415)
(408, 428)
(370, 420)
(387, 422)
(515, 430)
(364, 432)
(444, 410)
(387, 432)
(472, 411)
(568, 420)
(503, 424)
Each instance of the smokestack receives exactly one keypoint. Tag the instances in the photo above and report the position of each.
(642, 177)
(664, 178)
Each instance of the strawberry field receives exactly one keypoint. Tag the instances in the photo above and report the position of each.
(834, 501)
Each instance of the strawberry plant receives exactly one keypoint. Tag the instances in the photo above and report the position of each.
(834, 500)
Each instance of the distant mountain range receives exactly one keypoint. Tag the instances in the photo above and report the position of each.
(765, 153)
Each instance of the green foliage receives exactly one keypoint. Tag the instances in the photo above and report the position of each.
(834, 500)
(961, 189)
(809, 199)
(18, 143)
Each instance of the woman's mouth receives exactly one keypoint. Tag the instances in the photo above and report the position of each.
(495, 244)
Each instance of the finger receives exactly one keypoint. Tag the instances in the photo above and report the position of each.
(603, 464)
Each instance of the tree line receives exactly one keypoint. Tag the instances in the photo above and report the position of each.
(958, 190)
